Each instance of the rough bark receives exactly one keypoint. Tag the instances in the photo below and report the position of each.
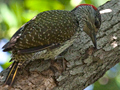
(83, 65)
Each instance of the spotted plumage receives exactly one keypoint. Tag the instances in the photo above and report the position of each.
(46, 29)
(50, 33)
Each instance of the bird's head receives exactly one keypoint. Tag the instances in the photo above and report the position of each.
(90, 18)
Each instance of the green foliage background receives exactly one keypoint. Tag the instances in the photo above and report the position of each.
(14, 13)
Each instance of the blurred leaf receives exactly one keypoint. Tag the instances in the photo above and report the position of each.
(8, 16)
(28, 15)
(111, 85)
(64, 2)
(118, 80)
(43, 5)
(99, 2)
(17, 10)
(88, 1)
(5, 65)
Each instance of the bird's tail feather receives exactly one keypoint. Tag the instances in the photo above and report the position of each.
(11, 74)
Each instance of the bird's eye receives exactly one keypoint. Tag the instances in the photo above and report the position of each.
(97, 23)
(97, 20)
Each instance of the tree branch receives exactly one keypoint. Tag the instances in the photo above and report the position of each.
(83, 65)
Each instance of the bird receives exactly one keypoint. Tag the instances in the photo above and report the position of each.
(50, 33)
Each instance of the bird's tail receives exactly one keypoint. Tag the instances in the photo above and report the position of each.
(11, 74)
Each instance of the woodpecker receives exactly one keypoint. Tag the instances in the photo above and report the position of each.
(50, 33)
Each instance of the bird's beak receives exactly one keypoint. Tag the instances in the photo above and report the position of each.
(91, 30)
(93, 37)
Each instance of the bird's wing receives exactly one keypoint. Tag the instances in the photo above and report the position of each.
(47, 29)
